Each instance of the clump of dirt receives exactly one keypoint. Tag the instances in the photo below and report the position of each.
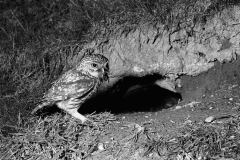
(193, 88)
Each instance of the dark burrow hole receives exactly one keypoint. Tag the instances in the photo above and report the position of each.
(132, 94)
(128, 95)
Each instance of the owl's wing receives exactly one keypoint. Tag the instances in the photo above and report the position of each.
(69, 76)
(70, 85)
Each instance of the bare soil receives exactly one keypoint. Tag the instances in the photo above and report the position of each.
(211, 93)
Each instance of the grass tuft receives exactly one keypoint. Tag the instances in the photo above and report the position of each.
(54, 137)
(200, 141)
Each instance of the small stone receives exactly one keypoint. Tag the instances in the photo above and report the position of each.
(137, 69)
(209, 119)
(101, 146)
(230, 99)
(178, 107)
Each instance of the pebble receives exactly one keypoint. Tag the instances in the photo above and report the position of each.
(209, 119)
(101, 146)
(178, 107)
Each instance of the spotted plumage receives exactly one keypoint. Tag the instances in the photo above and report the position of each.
(77, 85)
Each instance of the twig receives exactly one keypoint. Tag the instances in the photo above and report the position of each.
(18, 21)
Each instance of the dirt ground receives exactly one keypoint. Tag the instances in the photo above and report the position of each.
(212, 94)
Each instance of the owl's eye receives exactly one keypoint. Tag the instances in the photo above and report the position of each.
(94, 65)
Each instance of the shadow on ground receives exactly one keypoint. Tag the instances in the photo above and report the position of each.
(132, 94)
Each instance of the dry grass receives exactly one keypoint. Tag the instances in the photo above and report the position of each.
(61, 137)
(54, 137)
(217, 140)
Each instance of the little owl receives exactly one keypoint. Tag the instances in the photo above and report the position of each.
(77, 85)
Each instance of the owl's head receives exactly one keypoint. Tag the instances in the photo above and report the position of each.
(95, 65)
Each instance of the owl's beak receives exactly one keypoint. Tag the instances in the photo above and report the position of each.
(106, 70)
(105, 77)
